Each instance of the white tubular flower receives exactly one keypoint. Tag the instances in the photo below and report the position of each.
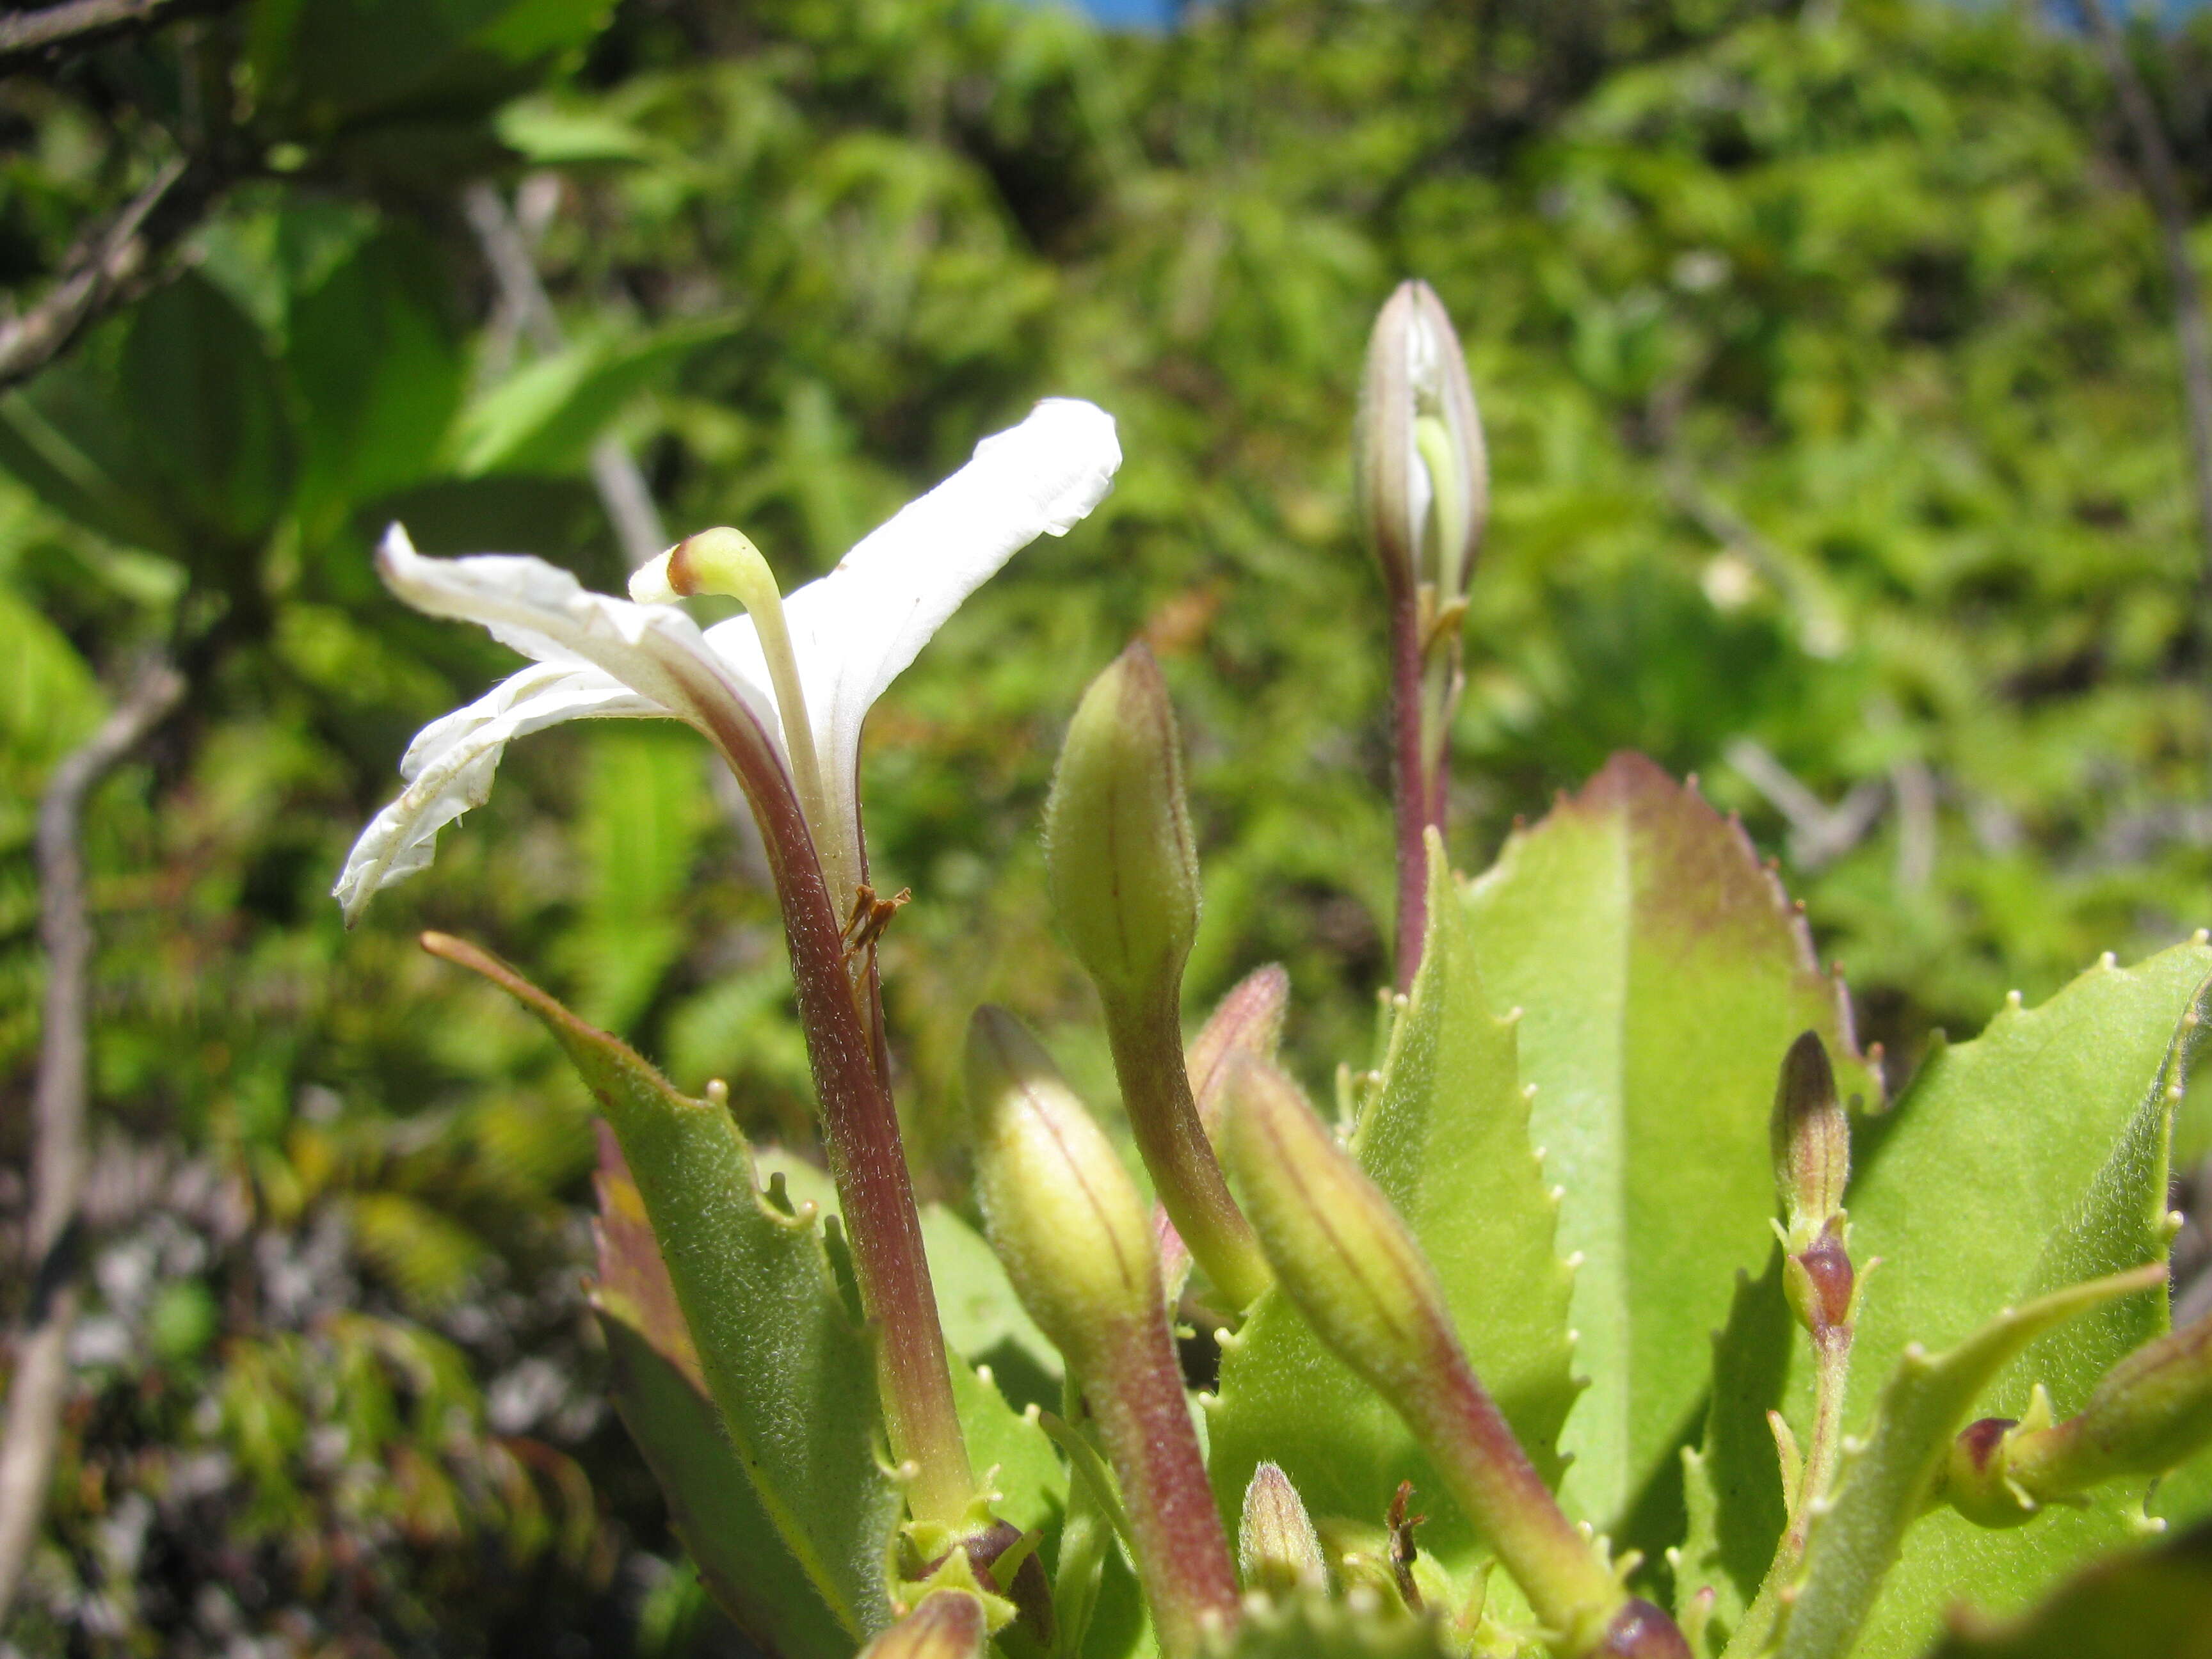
(835, 646)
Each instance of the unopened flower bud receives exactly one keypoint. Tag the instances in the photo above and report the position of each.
(1420, 466)
(948, 1623)
(1277, 1549)
(1118, 852)
(1812, 1141)
(1061, 1212)
(2146, 1414)
(1077, 1244)
(1125, 885)
(1338, 1249)
(1351, 1268)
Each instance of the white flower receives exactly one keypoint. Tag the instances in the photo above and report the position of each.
(849, 635)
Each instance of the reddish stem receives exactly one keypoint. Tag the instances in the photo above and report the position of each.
(1133, 1387)
(867, 1157)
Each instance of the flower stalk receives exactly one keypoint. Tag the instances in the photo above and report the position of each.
(1077, 1244)
(1424, 481)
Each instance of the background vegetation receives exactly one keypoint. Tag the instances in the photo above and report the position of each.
(1827, 361)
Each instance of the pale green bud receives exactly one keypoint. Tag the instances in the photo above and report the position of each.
(1277, 1549)
(1420, 466)
(1340, 1252)
(1118, 852)
(2146, 1415)
(1065, 1219)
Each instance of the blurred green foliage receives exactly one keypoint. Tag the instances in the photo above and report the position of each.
(1835, 430)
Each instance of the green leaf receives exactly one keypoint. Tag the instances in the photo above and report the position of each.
(984, 1324)
(984, 1320)
(544, 417)
(2036, 1152)
(377, 371)
(1447, 1139)
(661, 1393)
(2150, 1601)
(208, 412)
(325, 63)
(1664, 975)
(791, 1373)
(48, 696)
(1884, 1482)
(1732, 1482)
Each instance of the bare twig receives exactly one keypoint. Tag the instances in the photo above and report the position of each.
(2161, 183)
(1818, 834)
(108, 268)
(49, 31)
(57, 1120)
(625, 494)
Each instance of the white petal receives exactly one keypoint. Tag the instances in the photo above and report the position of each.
(545, 612)
(450, 764)
(858, 628)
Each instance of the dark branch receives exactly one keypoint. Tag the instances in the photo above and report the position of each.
(108, 268)
(57, 1120)
(51, 32)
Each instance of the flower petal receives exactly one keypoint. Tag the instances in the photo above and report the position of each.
(857, 628)
(450, 764)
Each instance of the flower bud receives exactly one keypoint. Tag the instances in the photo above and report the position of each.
(949, 1624)
(1339, 1250)
(1277, 1549)
(1061, 1212)
(1812, 1142)
(1421, 470)
(1350, 1267)
(1118, 852)
(2146, 1414)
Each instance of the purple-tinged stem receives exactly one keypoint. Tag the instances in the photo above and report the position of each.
(1133, 1387)
(867, 1157)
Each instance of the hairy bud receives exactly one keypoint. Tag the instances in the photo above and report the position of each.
(1351, 1268)
(1420, 465)
(1277, 1549)
(2146, 1415)
(1118, 852)
(1061, 1212)
(1812, 1141)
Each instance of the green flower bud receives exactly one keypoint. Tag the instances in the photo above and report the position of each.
(1420, 465)
(1061, 1212)
(1277, 1549)
(2146, 1414)
(1339, 1250)
(1350, 1267)
(1812, 1142)
(1118, 852)
(949, 1624)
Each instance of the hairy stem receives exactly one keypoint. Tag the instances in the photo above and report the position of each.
(1133, 1387)
(867, 1157)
